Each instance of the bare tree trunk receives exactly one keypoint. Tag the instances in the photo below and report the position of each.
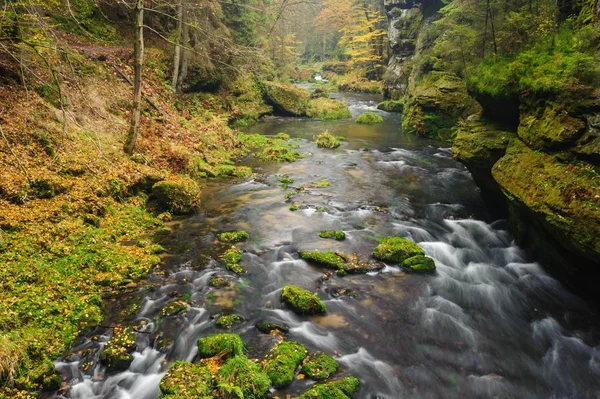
(492, 26)
(177, 57)
(138, 54)
(185, 57)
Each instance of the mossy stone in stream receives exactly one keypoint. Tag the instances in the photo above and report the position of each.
(232, 258)
(341, 389)
(227, 344)
(342, 262)
(369, 118)
(226, 321)
(234, 236)
(174, 308)
(282, 136)
(218, 282)
(282, 362)
(333, 234)
(302, 301)
(267, 327)
(327, 140)
(320, 366)
(240, 375)
(179, 195)
(419, 263)
(396, 249)
(186, 380)
(286, 99)
(391, 106)
(328, 258)
(116, 354)
(327, 109)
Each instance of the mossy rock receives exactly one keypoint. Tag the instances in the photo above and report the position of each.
(419, 263)
(220, 344)
(244, 374)
(327, 109)
(232, 258)
(302, 301)
(328, 259)
(186, 380)
(341, 389)
(391, 106)
(267, 327)
(369, 118)
(341, 262)
(327, 140)
(218, 282)
(174, 308)
(226, 321)
(282, 362)
(179, 195)
(234, 236)
(396, 249)
(338, 235)
(320, 366)
(550, 130)
(480, 143)
(319, 92)
(116, 354)
(286, 99)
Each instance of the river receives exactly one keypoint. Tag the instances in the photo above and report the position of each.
(489, 323)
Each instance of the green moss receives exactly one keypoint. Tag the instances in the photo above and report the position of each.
(234, 236)
(343, 263)
(218, 282)
(226, 344)
(327, 109)
(244, 374)
(294, 207)
(333, 234)
(178, 195)
(341, 389)
(286, 181)
(327, 140)
(226, 321)
(186, 380)
(286, 99)
(199, 168)
(391, 105)
(328, 258)
(320, 366)
(116, 354)
(396, 249)
(302, 301)
(419, 263)
(174, 308)
(480, 143)
(282, 136)
(232, 258)
(369, 118)
(267, 149)
(322, 183)
(550, 130)
(282, 362)
(267, 327)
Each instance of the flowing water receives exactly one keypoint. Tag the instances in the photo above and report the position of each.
(489, 323)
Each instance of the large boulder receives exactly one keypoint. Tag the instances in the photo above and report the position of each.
(179, 195)
(286, 99)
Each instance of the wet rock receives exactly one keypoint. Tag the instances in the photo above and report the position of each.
(286, 99)
(184, 379)
(234, 236)
(396, 249)
(302, 301)
(232, 258)
(320, 366)
(344, 263)
(220, 344)
(341, 389)
(116, 354)
(244, 374)
(226, 321)
(333, 234)
(419, 263)
(391, 106)
(174, 308)
(282, 362)
(218, 282)
(550, 129)
(179, 195)
(267, 327)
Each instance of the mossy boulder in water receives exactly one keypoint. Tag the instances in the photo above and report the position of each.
(286, 99)
(234, 236)
(340, 261)
(226, 321)
(116, 354)
(333, 234)
(178, 195)
(327, 140)
(396, 249)
(225, 344)
(369, 118)
(243, 375)
(186, 380)
(282, 362)
(320, 366)
(341, 389)
(419, 263)
(302, 301)
(391, 106)
(267, 327)
(218, 282)
(327, 109)
(174, 308)
(232, 258)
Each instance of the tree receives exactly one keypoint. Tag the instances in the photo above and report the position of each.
(138, 60)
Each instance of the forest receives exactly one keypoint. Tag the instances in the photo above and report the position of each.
(299, 198)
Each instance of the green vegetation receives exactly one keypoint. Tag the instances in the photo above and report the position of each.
(267, 149)
(286, 99)
(396, 249)
(294, 207)
(232, 258)
(221, 344)
(174, 308)
(341, 262)
(116, 354)
(391, 106)
(327, 109)
(282, 362)
(322, 183)
(234, 236)
(369, 118)
(178, 195)
(419, 263)
(327, 140)
(282, 136)
(267, 327)
(218, 282)
(341, 389)
(328, 259)
(302, 301)
(320, 366)
(286, 181)
(333, 234)
(185, 379)
(241, 377)
(226, 321)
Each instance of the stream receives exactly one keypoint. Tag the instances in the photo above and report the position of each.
(489, 323)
